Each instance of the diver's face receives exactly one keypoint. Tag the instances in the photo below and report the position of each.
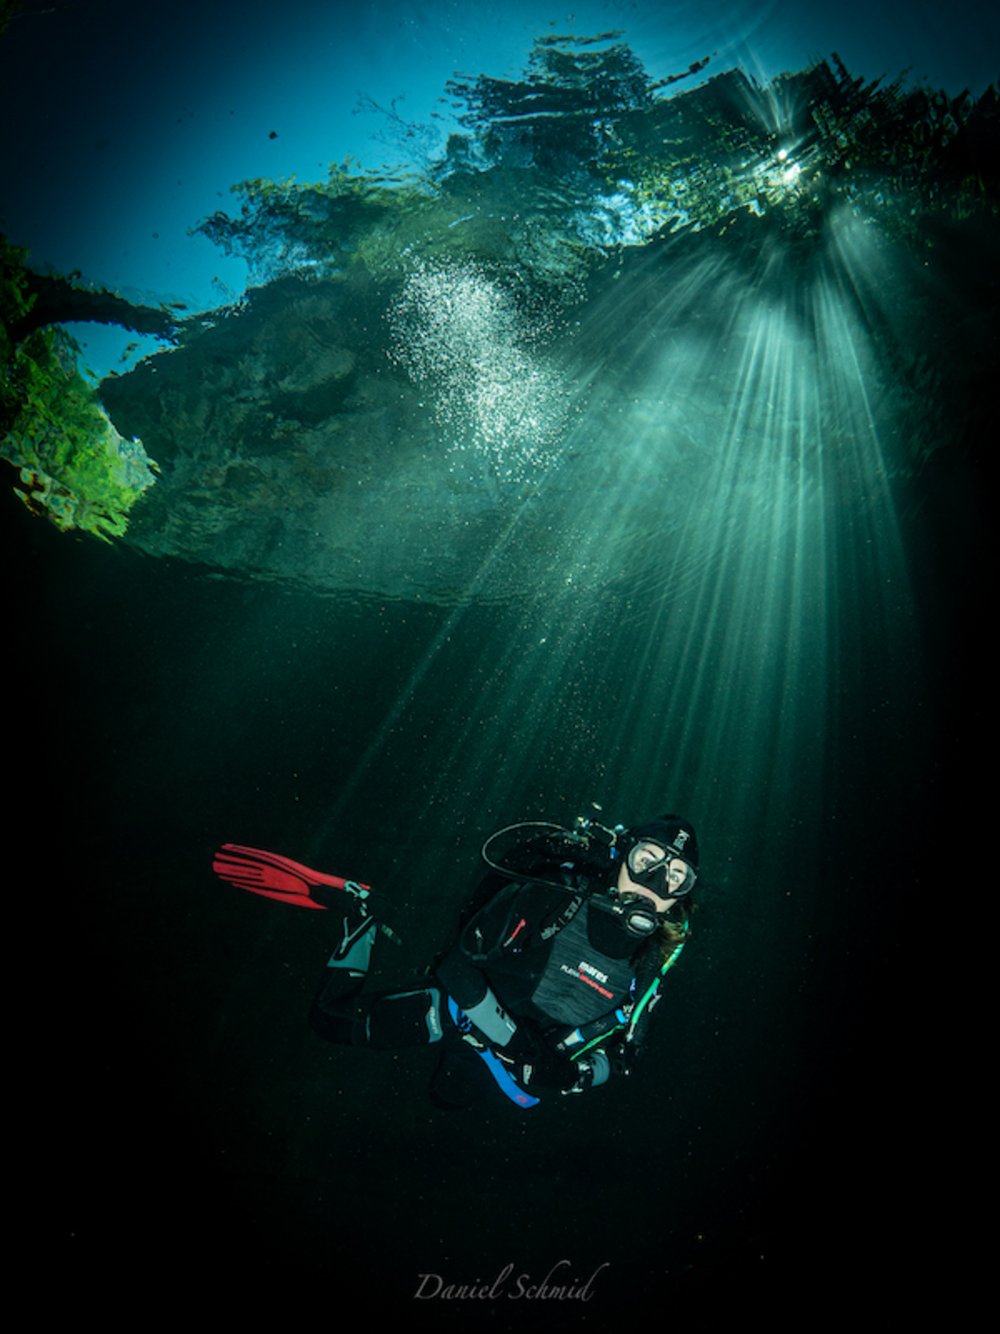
(648, 854)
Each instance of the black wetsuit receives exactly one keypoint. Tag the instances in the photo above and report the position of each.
(544, 991)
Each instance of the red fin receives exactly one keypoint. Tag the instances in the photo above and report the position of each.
(273, 876)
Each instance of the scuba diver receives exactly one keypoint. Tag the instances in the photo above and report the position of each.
(555, 973)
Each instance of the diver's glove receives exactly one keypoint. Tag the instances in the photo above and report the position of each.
(533, 1063)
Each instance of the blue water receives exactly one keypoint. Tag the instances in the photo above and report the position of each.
(129, 127)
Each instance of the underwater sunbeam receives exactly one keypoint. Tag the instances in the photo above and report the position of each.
(754, 465)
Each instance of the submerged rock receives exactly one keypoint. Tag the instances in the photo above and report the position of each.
(340, 436)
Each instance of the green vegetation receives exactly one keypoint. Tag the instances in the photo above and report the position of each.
(74, 467)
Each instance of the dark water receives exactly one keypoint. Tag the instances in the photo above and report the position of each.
(194, 1130)
(802, 689)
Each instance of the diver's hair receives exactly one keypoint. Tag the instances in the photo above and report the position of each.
(670, 933)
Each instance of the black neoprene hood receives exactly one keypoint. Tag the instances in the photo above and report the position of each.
(671, 832)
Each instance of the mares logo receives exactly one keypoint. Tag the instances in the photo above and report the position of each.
(591, 971)
(586, 972)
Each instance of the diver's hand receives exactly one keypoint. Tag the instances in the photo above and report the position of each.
(533, 1063)
(584, 1072)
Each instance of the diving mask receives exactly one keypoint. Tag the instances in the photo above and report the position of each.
(659, 870)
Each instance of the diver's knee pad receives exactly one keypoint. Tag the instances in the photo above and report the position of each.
(405, 1019)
